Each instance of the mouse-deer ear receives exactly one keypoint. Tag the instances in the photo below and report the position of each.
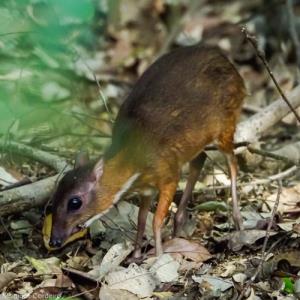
(81, 159)
(98, 169)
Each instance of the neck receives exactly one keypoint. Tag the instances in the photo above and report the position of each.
(117, 179)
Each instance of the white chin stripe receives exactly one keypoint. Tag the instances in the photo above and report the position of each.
(96, 217)
(125, 187)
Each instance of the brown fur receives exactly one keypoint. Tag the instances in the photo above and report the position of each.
(187, 99)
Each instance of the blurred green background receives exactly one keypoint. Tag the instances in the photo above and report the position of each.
(40, 44)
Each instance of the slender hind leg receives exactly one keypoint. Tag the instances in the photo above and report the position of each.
(226, 145)
(181, 214)
(142, 219)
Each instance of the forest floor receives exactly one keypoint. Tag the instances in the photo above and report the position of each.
(53, 107)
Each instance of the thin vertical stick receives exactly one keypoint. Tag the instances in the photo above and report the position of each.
(260, 54)
(263, 251)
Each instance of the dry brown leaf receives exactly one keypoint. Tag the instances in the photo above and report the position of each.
(289, 199)
(63, 281)
(134, 279)
(165, 268)
(190, 249)
(110, 294)
(238, 239)
(6, 278)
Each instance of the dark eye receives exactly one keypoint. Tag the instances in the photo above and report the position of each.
(74, 203)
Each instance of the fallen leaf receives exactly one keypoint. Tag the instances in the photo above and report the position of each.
(21, 226)
(238, 239)
(187, 265)
(229, 270)
(288, 226)
(289, 199)
(6, 278)
(111, 294)
(45, 266)
(239, 277)
(63, 281)
(134, 279)
(9, 296)
(165, 268)
(215, 283)
(250, 219)
(297, 287)
(77, 262)
(190, 249)
(212, 206)
(6, 178)
(296, 228)
(112, 259)
(163, 295)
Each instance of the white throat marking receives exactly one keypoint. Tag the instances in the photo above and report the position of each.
(125, 187)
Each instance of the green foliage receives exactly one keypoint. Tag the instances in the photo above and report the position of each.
(288, 285)
(39, 43)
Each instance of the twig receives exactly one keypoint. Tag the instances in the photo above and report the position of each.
(260, 54)
(101, 94)
(293, 30)
(288, 172)
(236, 145)
(270, 154)
(263, 251)
(103, 97)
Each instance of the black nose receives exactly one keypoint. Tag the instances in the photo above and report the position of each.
(55, 243)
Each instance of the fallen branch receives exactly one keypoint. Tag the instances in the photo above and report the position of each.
(28, 196)
(273, 155)
(41, 156)
(253, 128)
(291, 152)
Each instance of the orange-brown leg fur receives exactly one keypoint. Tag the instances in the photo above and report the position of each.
(181, 214)
(226, 145)
(142, 219)
(236, 215)
(166, 194)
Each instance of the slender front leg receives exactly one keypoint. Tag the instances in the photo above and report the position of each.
(237, 217)
(166, 194)
(226, 146)
(181, 215)
(142, 219)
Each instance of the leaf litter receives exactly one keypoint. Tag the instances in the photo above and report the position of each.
(212, 262)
